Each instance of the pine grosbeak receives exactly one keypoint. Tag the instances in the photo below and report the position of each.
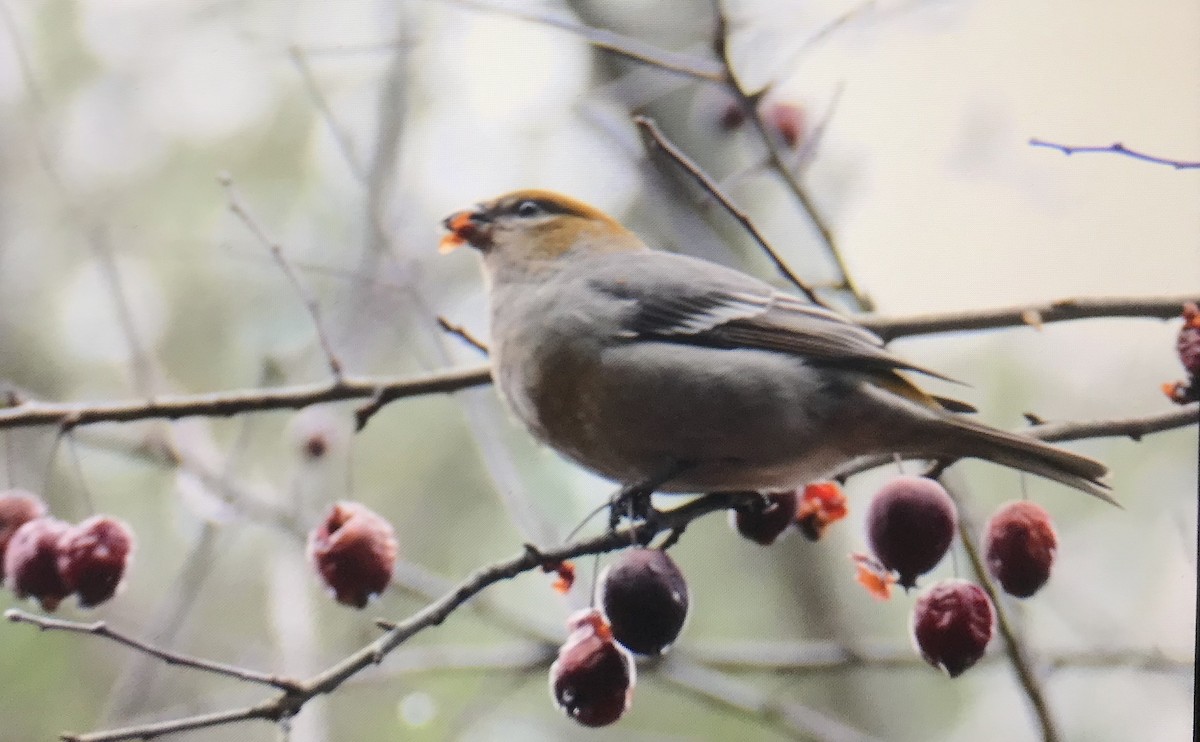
(635, 362)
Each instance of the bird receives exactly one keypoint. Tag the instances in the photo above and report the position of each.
(644, 366)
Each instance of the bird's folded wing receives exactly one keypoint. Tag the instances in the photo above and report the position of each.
(701, 303)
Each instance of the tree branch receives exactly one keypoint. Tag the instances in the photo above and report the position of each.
(101, 629)
(1117, 148)
(382, 390)
(1059, 310)
(225, 404)
(654, 137)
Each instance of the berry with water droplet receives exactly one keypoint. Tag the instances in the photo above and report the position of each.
(592, 680)
(645, 599)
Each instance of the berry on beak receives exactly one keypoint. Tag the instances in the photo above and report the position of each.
(466, 227)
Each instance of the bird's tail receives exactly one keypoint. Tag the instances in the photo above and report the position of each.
(976, 440)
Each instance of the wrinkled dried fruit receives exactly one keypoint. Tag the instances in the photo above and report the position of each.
(910, 524)
(952, 624)
(645, 600)
(1188, 342)
(92, 558)
(592, 680)
(1019, 545)
(823, 504)
(354, 551)
(762, 519)
(17, 507)
(31, 562)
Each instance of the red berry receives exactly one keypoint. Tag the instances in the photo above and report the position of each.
(786, 120)
(952, 624)
(910, 525)
(1019, 544)
(592, 680)
(31, 562)
(762, 520)
(1188, 342)
(17, 507)
(354, 550)
(92, 557)
(645, 600)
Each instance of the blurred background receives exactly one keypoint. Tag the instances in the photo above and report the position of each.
(349, 129)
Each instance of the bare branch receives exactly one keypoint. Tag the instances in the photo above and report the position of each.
(656, 139)
(99, 628)
(266, 712)
(776, 160)
(462, 334)
(625, 46)
(820, 656)
(1117, 148)
(225, 404)
(299, 57)
(1014, 644)
(240, 210)
(1160, 307)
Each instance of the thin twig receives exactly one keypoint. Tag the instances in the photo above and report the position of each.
(99, 628)
(625, 46)
(1117, 148)
(656, 139)
(264, 712)
(240, 210)
(1033, 315)
(821, 656)
(344, 144)
(462, 334)
(1014, 645)
(775, 158)
(235, 402)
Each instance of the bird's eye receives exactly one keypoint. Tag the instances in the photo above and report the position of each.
(527, 209)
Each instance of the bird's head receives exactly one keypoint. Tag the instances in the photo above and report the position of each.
(534, 226)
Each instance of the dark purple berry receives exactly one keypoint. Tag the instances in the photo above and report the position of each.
(645, 599)
(910, 524)
(762, 520)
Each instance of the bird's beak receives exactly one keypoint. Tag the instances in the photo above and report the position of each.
(470, 227)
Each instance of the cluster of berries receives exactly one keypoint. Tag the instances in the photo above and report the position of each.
(1187, 344)
(910, 525)
(49, 560)
(643, 605)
